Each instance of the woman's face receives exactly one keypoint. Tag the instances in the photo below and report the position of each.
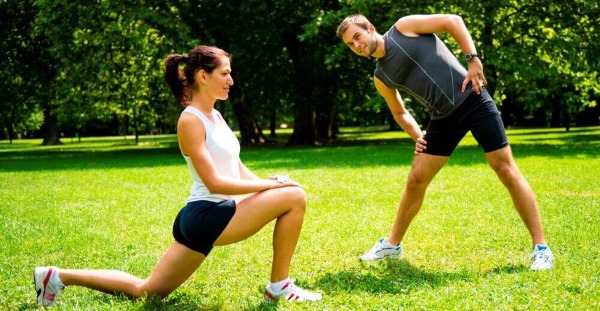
(219, 81)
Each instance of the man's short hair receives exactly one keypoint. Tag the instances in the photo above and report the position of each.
(357, 19)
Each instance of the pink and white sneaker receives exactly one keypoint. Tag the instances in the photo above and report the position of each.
(45, 287)
(291, 292)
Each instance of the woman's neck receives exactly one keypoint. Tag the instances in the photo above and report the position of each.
(203, 103)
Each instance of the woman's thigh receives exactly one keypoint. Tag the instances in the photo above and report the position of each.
(258, 209)
(174, 268)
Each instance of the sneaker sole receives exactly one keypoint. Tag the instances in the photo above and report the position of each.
(540, 268)
(268, 297)
(399, 256)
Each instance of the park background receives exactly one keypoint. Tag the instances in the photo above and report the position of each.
(76, 69)
(90, 174)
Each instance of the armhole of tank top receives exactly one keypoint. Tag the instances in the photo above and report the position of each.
(202, 119)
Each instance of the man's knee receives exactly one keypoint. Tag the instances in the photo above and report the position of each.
(417, 180)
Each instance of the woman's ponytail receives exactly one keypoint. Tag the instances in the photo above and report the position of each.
(175, 79)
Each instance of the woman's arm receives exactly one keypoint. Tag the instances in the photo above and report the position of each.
(191, 134)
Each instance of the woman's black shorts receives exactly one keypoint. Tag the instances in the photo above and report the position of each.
(478, 114)
(200, 223)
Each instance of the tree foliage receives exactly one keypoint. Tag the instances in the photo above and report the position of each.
(77, 66)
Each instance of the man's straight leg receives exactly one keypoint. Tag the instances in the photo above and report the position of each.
(503, 164)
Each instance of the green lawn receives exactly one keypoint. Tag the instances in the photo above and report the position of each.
(106, 203)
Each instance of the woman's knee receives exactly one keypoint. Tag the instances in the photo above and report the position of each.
(145, 289)
(297, 197)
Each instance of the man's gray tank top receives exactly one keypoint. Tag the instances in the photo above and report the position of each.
(426, 69)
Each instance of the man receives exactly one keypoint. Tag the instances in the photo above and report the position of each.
(411, 58)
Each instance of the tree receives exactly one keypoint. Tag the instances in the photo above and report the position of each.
(118, 49)
(21, 82)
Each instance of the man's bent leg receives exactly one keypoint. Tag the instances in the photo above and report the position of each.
(424, 168)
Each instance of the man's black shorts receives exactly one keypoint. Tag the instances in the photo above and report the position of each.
(478, 114)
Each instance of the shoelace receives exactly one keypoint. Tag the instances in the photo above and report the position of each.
(540, 254)
(381, 246)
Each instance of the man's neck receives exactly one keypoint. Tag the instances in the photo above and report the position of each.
(380, 51)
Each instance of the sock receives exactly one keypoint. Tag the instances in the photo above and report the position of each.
(55, 279)
(541, 247)
(278, 286)
(385, 240)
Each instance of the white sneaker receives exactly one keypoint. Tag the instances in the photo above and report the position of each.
(47, 291)
(543, 259)
(383, 249)
(291, 292)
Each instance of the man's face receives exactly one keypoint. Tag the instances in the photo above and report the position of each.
(361, 41)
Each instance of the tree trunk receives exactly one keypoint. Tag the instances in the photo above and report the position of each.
(304, 125)
(135, 127)
(555, 119)
(50, 127)
(325, 124)
(250, 130)
(507, 111)
(273, 124)
(11, 132)
(566, 117)
(491, 73)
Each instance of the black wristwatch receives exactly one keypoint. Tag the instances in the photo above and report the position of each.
(469, 57)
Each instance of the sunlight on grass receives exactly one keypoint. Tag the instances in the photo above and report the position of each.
(105, 203)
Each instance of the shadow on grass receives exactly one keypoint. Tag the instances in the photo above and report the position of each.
(176, 303)
(184, 302)
(390, 277)
(354, 152)
(28, 306)
(264, 306)
(506, 270)
(393, 276)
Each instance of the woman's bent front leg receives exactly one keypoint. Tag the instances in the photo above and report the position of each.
(287, 205)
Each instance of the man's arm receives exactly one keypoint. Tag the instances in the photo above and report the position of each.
(401, 115)
(414, 25)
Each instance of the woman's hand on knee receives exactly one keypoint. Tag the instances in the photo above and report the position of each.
(283, 181)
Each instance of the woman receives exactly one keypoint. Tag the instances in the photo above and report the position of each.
(216, 212)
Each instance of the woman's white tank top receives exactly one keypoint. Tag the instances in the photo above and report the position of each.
(224, 149)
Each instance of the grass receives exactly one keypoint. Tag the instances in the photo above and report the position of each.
(106, 203)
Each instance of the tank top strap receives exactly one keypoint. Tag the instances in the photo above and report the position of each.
(199, 115)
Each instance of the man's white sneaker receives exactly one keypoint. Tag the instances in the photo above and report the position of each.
(45, 286)
(291, 292)
(383, 249)
(543, 259)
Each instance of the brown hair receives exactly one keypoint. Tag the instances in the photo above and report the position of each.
(181, 82)
(357, 19)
